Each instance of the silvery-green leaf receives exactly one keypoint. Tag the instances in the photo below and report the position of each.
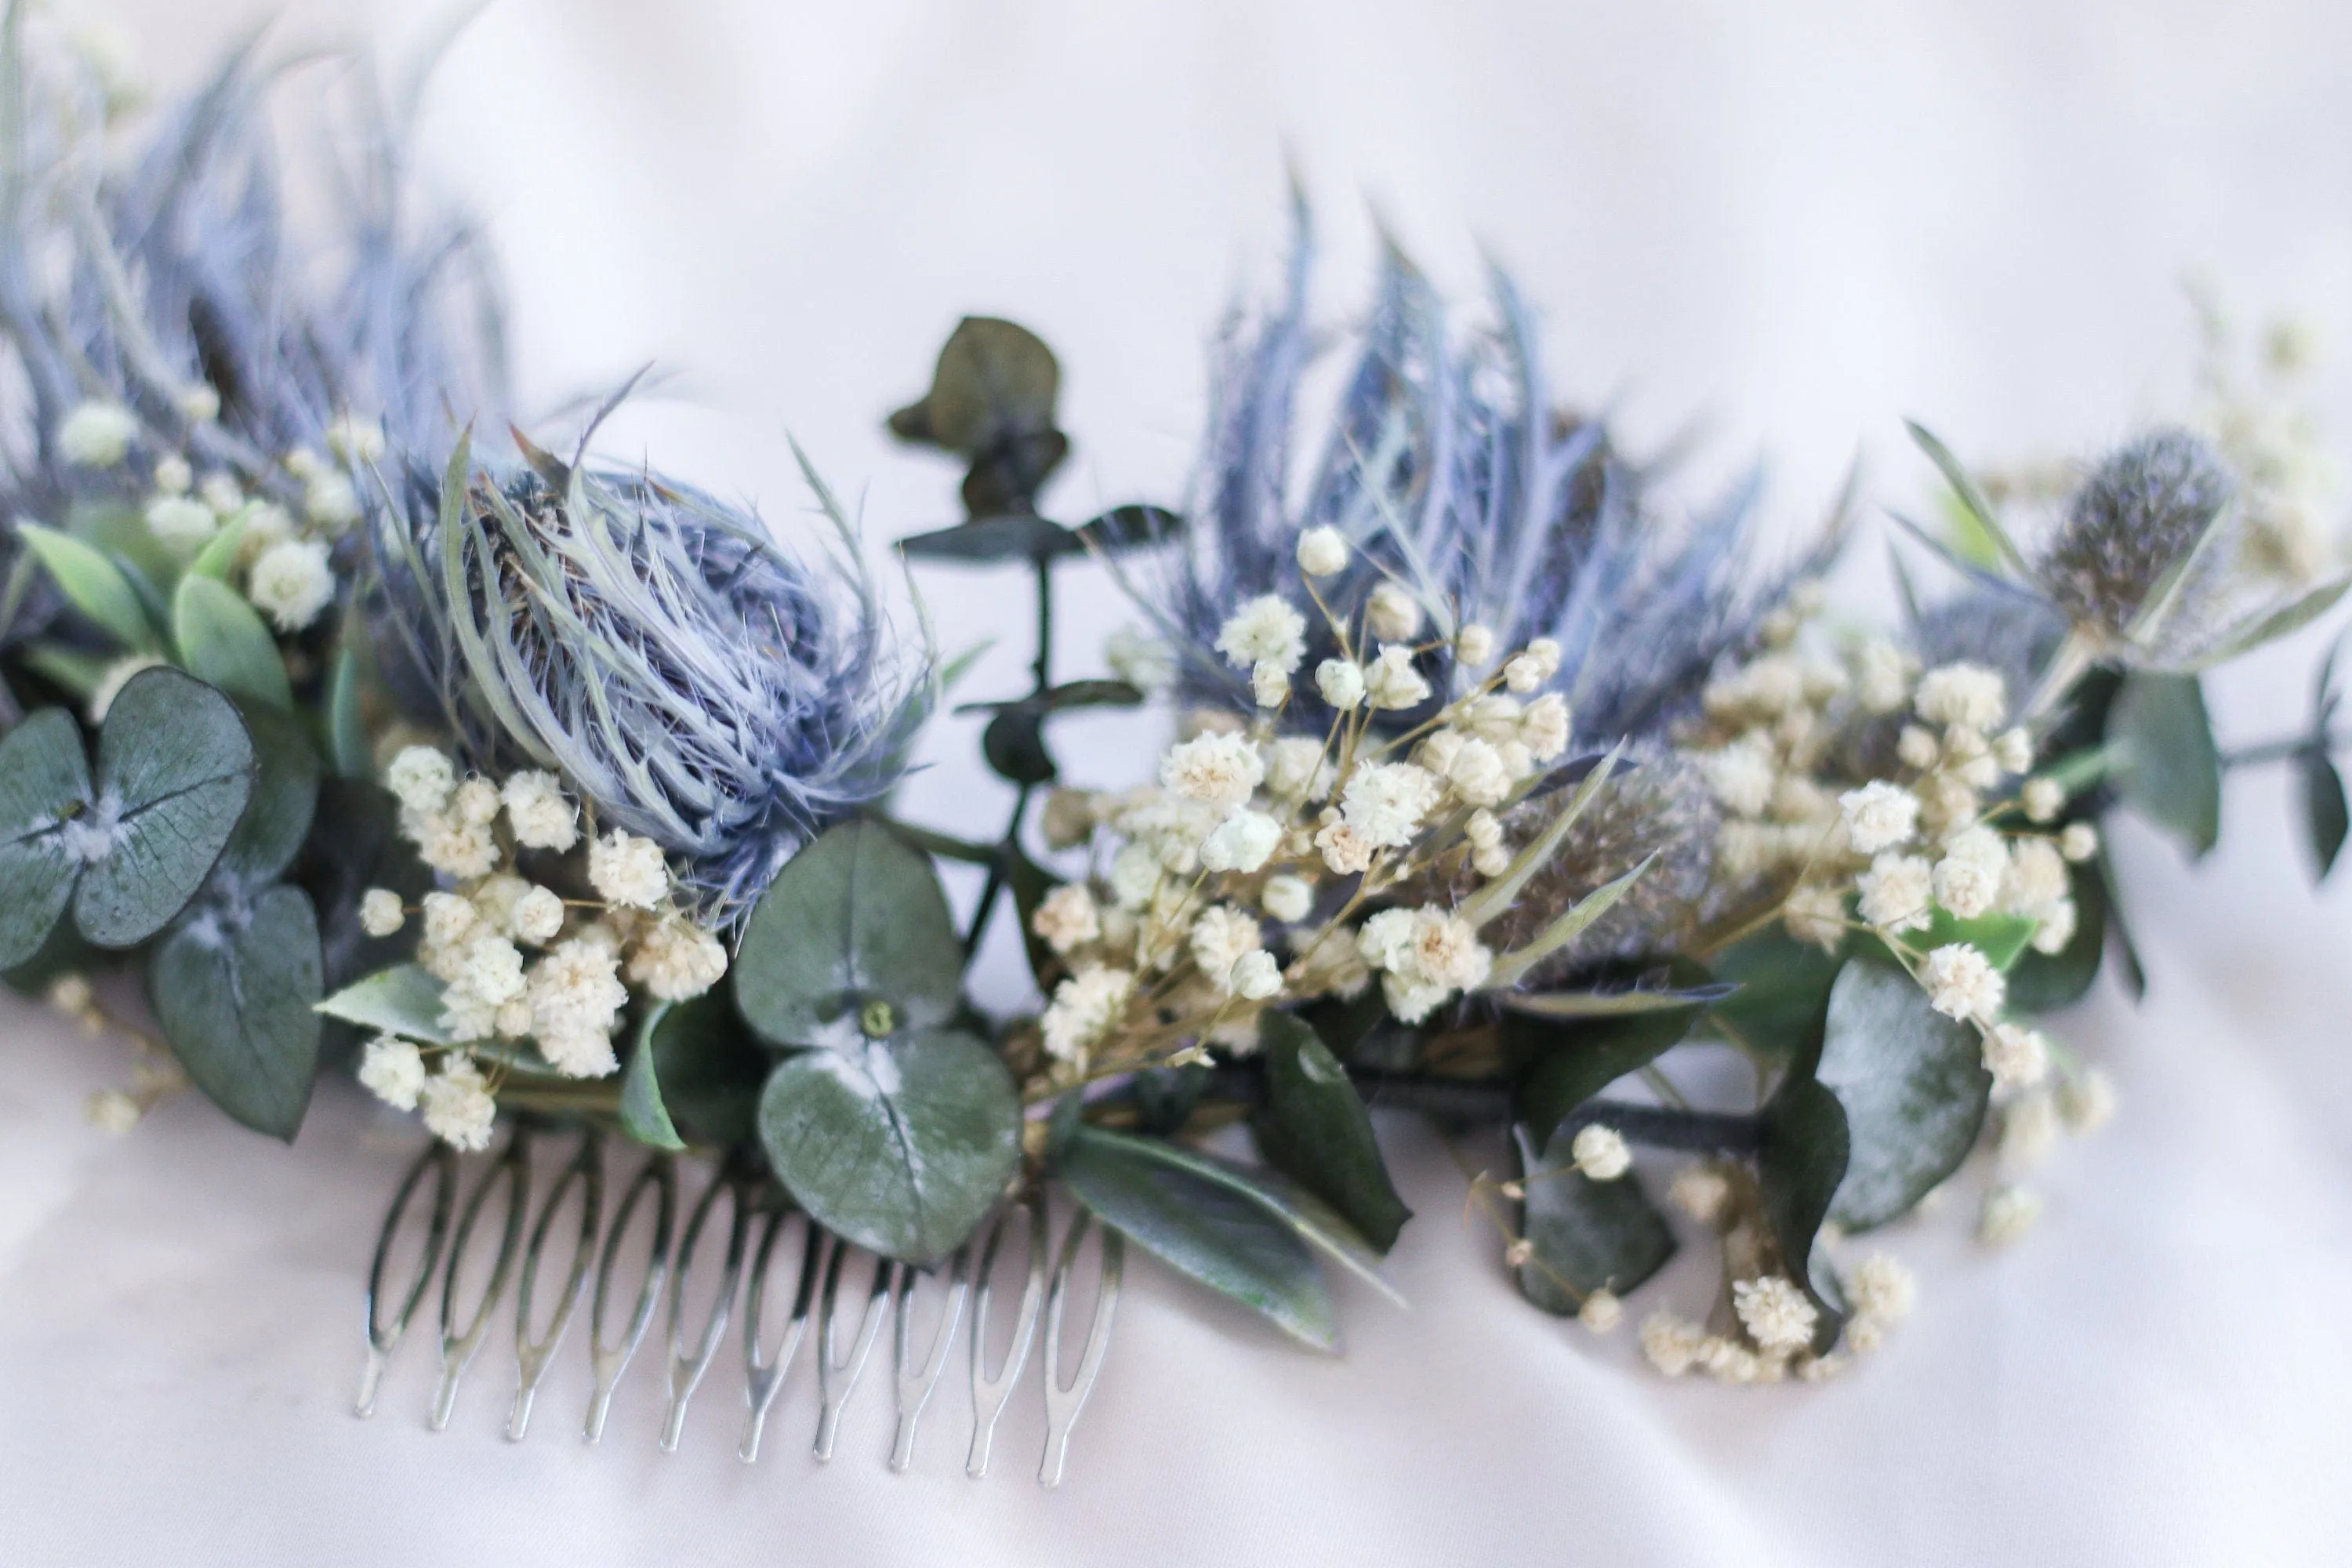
(1204, 1229)
(1914, 1087)
(695, 1073)
(174, 772)
(1587, 1236)
(644, 1116)
(1313, 1129)
(233, 985)
(2292, 616)
(222, 640)
(92, 584)
(2166, 765)
(402, 1000)
(285, 795)
(898, 1145)
(44, 775)
(856, 916)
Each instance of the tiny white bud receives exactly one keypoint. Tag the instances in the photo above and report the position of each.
(1322, 552)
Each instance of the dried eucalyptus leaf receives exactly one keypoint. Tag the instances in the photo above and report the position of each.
(1313, 1129)
(995, 378)
(44, 776)
(1020, 537)
(1587, 1236)
(233, 985)
(1205, 1229)
(856, 916)
(1914, 1087)
(175, 769)
(284, 798)
(2166, 765)
(899, 1145)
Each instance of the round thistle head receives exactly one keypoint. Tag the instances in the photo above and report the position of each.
(695, 683)
(2148, 521)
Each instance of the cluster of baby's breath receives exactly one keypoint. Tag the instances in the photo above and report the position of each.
(518, 961)
(2261, 418)
(1265, 868)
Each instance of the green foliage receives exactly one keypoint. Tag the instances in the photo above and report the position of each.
(1912, 1084)
(1585, 1235)
(694, 1072)
(1573, 1062)
(1313, 1129)
(2166, 766)
(94, 584)
(233, 986)
(402, 1000)
(1800, 1162)
(1783, 984)
(222, 640)
(2043, 982)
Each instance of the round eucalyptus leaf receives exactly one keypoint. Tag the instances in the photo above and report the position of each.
(898, 1145)
(44, 777)
(233, 986)
(1585, 1235)
(1015, 746)
(174, 771)
(1914, 1085)
(995, 378)
(856, 917)
(285, 796)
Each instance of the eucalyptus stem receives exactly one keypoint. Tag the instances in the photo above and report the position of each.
(2279, 750)
(1009, 844)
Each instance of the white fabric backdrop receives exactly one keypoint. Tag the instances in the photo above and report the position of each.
(1804, 222)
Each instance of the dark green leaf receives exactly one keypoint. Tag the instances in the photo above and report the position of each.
(1014, 745)
(2135, 977)
(899, 1145)
(695, 1073)
(2166, 766)
(1587, 1235)
(222, 640)
(44, 777)
(347, 742)
(1029, 882)
(1165, 1097)
(856, 916)
(1131, 527)
(1206, 1229)
(1783, 984)
(1073, 694)
(2002, 938)
(285, 795)
(993, 378)
(1912, 1085)
(92, 582)
(2041, 982)
(1313, 1129)
(176, 756)
(355, 845)
(992, 539)
(1800, 1165)
(402, 1000)
(1573, 1062)
(2323, 816)
(233, 985)
(217, 559)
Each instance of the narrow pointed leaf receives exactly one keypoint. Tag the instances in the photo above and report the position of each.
(1313, 1129)
(222, 641)
(402, 1000)
(93, 584)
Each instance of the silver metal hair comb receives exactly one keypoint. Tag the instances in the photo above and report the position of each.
(675, 1258)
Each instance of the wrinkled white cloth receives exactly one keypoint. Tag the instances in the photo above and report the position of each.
(1806, 220)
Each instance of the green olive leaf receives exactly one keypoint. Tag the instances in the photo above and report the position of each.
(402, 1000)
(1313, 1129)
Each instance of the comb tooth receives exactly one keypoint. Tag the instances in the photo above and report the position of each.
(586, 1168)
(511, 1168)
(384, 1338)
(1063, 1403)
(685, 1371)
(762, 1378)
(990, 1395)
(658, 1175)
(915, 1384)
(838, 1380)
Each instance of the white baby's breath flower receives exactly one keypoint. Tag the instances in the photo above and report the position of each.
(1296, 770)
(1286, 899)
(2013, 750)
(1265, 630)
(1879, 815)
(112, 1111)
(291, 582)
(1816, 914)
(454, 846)
(1477, 774)
(2086, 1101)
(1473, 645)
(1255, 976)
(172, 475)
(1392, 682)
(1962, 693)
(2079, 841)
(180, 524)
(1219, 770)
(96, 435)
(1066, 918)
(1882, 1288)
(1601, 1152)
(1544, 727)
(491, 970)
(1601, 1310)
(2029, 1131)
(1341, 683)
(458, 1109)
(1895, 892)
(1069, 820)
(1918, 748)
(1411, 1001)
(1242, 842)
(200, 403)
(1968, 878)
(1962, 982)
(354, 439)
(1882, 677)
(536, 917)
(2009, 1213)
(421, 778)
(1776, 1313)
(1701, 1191)
(1537, 663)
(575, 995)
(450, 920)
(392, 1070)
(677, 959)
(1670, 1344)
(1134, 875)
(541, 814)
(1322, 552)
(2043, 799)
(1385, 802)
(1140, 659)
(2037, 877)
(1084, 1009)
(1218, 938)
(330, 500)
(1345, 849)
(494, 899)
(475, 802)
(381, 913)
(1393, 614)
(628, 870)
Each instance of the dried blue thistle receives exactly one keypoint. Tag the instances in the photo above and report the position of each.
(693, 681)
(166, 282)
(1452, 472)
(2147, 548)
